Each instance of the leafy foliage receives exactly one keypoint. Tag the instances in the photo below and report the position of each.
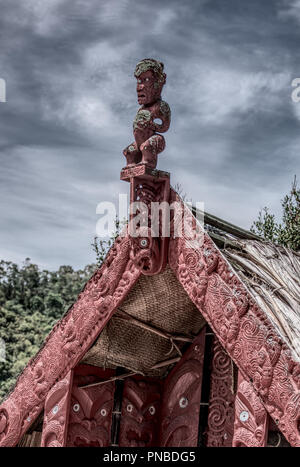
(286, 233)
(101, 246)
(31, 301)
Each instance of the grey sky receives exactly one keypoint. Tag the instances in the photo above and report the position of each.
(68, 64)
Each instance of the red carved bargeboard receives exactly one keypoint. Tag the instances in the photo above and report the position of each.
(56, 413)
(221, 399)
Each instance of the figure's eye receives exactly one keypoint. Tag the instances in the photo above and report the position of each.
(147, 79)
(139, 81)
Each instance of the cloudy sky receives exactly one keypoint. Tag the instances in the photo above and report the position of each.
(68, 65)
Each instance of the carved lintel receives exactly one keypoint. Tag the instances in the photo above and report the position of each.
(251, 417)
(56, 413)
(221, 399)
(182, 396)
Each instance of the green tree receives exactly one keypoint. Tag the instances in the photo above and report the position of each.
(31, 301)
(102, 246)
(286, 232)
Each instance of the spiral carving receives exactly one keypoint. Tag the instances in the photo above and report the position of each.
(221, 362)
(217, 415)
(221, 399)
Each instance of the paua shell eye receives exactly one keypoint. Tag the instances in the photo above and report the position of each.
(152, 410)
(76, 407)
(147, 79)
(129, 408)
(183, 402)
(139, 81)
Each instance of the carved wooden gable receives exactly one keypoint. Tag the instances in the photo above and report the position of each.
(265, 362)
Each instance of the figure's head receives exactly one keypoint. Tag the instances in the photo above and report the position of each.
(150, 80)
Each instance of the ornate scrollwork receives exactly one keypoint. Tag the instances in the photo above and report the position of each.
(149, 218)
(221, 399)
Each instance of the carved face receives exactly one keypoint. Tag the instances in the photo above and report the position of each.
(140, 413)
(148, 88)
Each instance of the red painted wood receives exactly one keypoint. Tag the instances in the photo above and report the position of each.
(149, 141)
(241, 326)
(181, 401)
(221, 399)
(149, 196)
(56, 413)
(68, 341)
(140, 412)
(251, 417)
(91, 408)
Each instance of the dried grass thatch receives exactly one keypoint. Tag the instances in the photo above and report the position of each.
(272, 275)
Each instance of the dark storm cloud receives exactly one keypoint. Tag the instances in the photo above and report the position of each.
(68, 64)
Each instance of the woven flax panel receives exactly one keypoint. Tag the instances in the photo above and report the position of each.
(158, 301)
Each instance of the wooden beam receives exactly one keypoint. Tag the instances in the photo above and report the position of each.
(215, 221)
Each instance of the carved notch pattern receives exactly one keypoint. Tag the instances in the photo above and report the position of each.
(241, 326)
(221, 399)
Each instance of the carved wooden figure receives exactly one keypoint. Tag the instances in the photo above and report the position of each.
(140, 412)
(182, 396)
(91, 408)
(146, 126)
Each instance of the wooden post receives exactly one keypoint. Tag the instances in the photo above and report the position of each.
(221, 399)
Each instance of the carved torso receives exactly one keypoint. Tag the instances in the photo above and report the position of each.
(144, 124)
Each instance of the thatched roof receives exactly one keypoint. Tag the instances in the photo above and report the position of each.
(270, 272)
